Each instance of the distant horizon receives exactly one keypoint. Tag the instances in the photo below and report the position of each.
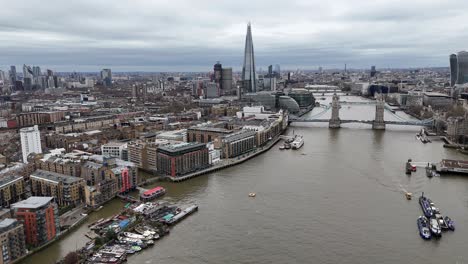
(97, 70)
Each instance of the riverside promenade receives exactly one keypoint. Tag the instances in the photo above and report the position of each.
(225, 163)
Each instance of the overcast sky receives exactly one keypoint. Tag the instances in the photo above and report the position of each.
(191, 35)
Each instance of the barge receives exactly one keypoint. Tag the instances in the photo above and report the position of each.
(184, 213)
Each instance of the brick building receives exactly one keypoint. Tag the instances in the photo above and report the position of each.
(182, 158)
(67, 190)
(12, 190)
(12, 240)
(40, 219)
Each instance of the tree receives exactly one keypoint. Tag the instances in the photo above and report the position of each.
(71, 258)
(110, 235)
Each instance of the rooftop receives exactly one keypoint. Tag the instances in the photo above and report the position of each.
(211, 129)
(55, 177)
(239, 135)
(9, 179)
(32, 202)
(184, 146)
(7, 222)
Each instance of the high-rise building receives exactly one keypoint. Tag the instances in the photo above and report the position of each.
(12, 240)
(373, 71)
(226, 80)
(40, 219)
(217, 72)
(13, 76)
(30, 141)
(249, 81)
(27, 71)
(453, 69)
(36, 71)
(462, 67)
(106, 77)
(277, 69)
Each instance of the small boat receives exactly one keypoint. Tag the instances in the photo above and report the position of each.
(287, 146)
(282, 147)
(413, 168)
(449, 222)
(426, 206)
(252, 194)
(408, 195)
(443, 225)
(423, 226)
(435, 227)
(297, 143)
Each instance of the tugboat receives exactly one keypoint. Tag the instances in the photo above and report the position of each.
(435, 227)
(423, 226)
(449, 222)
(426, 206)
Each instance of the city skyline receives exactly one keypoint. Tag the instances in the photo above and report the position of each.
(306, 35)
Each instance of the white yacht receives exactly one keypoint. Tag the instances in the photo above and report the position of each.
(297, 143)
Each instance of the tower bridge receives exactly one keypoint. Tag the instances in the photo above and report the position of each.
(378, 123)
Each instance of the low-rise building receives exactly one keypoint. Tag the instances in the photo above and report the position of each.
(12, 190)
(115, 150)
(12, 240)
(67, 190)
(437, 100)
(39, 216)
(182, 158)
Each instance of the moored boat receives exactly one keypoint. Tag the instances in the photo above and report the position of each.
(153, 193)
(426, 206)
(423, 226)
(450, 223)
(435, 227)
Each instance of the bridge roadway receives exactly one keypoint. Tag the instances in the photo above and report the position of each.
(403, 123)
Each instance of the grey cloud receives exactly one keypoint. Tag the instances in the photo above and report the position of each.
(192, 35)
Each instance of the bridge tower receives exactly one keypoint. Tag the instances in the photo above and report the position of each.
(379, 122)
(335, 121)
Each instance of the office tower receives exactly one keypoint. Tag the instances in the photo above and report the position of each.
(30, 141)
(226, 79)
(27, 71)
(12, 240)
(50, 72)
(453, 69)
(27, 83)
(39, 216)
(36, 71)
(462, 67)
(373, 72)
(249, 81)
(277, 69)
(106, 77)
(270, 70)
(2, 75)
(13, 76)
(217, 72)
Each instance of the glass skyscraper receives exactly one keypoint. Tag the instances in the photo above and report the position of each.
(249, 80)
(453, 69)
(462, 67)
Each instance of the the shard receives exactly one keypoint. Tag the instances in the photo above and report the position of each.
(249, 79)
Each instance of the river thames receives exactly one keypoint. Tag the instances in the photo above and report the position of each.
(338, 199)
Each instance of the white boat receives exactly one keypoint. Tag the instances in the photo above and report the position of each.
(297, 143)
